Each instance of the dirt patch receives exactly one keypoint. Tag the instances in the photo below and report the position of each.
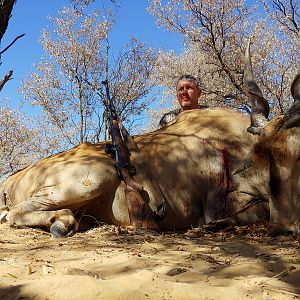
(113, 263)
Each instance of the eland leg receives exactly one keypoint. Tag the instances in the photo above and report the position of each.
(61, 222)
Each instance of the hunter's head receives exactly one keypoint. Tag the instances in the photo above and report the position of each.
(188, 91)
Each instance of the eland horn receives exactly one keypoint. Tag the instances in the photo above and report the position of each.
(292, 116)
(260, 106)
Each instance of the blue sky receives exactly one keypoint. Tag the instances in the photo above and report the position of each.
(30, 17)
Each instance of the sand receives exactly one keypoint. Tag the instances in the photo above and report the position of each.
(110, 262)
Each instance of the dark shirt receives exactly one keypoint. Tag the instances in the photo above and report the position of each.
(171, 115)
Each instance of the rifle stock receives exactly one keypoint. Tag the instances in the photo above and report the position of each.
(140, 213)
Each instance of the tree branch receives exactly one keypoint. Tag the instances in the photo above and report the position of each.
(6, 48)
(5, 79)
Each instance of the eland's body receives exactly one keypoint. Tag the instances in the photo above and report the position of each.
(191, 159)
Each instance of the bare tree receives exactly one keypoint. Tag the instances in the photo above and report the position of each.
(67, 82)
(285, 13)
(214, 34)
(20, 141)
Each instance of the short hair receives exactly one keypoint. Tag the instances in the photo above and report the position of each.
(187, 77)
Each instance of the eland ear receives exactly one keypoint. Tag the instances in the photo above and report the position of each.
(292, 116)
(260, 106)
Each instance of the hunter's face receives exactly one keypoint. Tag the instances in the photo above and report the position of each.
(187, 94)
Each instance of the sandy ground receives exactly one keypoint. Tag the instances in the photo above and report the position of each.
(114, 263)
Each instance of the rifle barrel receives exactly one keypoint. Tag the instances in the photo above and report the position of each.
(111, 116)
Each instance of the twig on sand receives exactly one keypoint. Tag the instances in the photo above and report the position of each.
(276, 289)
(284, 272)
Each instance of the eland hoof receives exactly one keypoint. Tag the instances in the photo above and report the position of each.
(58, 229)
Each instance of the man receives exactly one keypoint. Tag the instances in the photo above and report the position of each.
(187, 91)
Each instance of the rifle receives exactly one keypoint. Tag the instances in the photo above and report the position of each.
(140, 213)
